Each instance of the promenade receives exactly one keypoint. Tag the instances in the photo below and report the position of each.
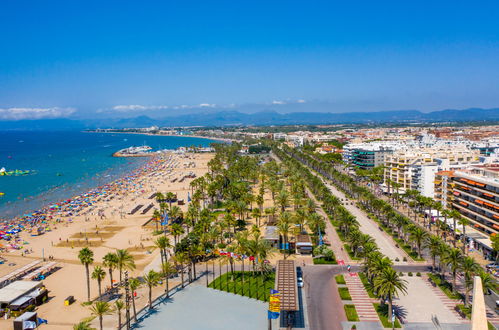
(197, 307)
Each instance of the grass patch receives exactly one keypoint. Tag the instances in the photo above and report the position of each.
(340, 279)
(367, 286)
(408, 249)
(445, 286)
(344, 294)
(324, 261)
(382, 311)
(351, 313)
(255, 285)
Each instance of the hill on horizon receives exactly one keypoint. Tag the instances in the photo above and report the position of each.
(262, 118)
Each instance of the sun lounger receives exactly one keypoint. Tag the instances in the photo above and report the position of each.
(138, 207)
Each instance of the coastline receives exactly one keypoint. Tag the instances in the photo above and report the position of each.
(104, 220)
(12, 210)
(150, 134)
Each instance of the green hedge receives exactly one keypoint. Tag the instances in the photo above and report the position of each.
(344, 294)
(351, 313)
(340, 279)
(382, 311)
(367, 286)
(445, 286)
(324, 261)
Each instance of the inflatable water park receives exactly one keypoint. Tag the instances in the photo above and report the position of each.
(4, 172)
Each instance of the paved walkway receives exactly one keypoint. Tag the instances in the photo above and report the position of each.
(360, 298)
(368, 226)
(197, 307)
(335, 243)
(423, 300)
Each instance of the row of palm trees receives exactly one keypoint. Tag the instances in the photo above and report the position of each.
(449, 257)
(120, 260)
(384, 280)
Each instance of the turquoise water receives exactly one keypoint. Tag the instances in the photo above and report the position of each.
(67, 163)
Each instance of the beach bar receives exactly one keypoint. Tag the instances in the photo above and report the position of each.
(18, 296)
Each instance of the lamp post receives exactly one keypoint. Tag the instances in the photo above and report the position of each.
(127, 302)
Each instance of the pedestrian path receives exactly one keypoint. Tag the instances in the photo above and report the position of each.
(335, 243)
(446, 301)
(368, 226)
(360, 298)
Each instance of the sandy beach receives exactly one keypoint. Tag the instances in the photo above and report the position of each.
(102, 221)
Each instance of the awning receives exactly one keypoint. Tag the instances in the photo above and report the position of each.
(21, 301)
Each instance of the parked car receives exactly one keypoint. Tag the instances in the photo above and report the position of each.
(300, 282)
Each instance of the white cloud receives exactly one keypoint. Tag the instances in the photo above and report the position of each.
(207, 105)
(301, 101)
(35, 113)
(137, 107)
(278, 102)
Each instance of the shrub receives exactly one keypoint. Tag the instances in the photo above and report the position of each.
(340, 279)
(344, 294)
(405, 259)
(418, 274)
(409, 273)
(382, 311)
(351, 313)
(401, 274)
(397, 259)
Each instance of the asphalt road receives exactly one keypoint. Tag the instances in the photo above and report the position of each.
(325, 309)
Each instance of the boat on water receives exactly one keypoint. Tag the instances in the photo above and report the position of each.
(134, 152)
(4, 172)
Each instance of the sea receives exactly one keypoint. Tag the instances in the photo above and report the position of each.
(64, 164)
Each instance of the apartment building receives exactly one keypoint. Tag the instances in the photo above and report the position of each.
(474, 192)
(416, 168)
(369, 155)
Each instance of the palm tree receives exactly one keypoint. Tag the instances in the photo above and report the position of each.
(167, 269)
(124, 261)
(388, 284)
(470, 268)
(134, 284)
(257, 214)
(181, 258)
(488, 282)
(434, 245)
(283, 200)
(464, 222)
(151, 279)
(418, 235)
(99, 309)
(163, 243)
(176, 230)
(110, 261)
(170, 197)
(83, 325)
(156, 216)
(86, 257)
(99, 274)
(118, 306)
(453, 259)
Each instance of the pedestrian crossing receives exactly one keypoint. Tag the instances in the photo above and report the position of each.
(360, 298)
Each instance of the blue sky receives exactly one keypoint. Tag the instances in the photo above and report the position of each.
(87, 57)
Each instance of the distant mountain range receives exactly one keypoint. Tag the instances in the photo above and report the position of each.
(233, 118)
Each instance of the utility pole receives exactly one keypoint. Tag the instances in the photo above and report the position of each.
(127, 301)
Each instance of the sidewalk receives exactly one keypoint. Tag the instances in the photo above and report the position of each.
(335, 242)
